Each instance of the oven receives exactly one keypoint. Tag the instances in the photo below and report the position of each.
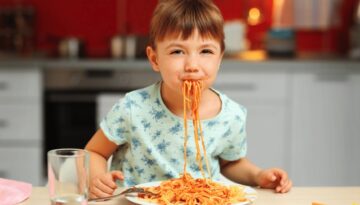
(73, 100)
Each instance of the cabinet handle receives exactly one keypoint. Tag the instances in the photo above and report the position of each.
(3, 174)
(3, 85)
(107, 74)
(3, 123)
(237, 86)
(340, 77)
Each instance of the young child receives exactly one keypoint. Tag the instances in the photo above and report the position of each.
(144, 130)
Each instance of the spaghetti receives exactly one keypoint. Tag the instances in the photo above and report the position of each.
(186, 189)
(191, 101)
(190, 191)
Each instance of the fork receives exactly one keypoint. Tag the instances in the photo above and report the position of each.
(131, 190)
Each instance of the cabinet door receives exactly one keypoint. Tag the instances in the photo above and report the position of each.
(264, 94)
(267, 138)
(20, 121)
(20, 83)
(353, 157)
(21, 163)
(320, 129)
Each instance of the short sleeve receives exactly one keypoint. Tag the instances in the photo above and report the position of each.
(235, 146)
(115, 124)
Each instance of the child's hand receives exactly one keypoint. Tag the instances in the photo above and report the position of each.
(274, 179)
(104, 185)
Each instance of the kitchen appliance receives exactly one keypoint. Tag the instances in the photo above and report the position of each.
(235, 41)
(354, 35)
(357, 14)
(17, 29)
(316, 14)
(128, 47)
(280, 38)
(280, 42)
(71, 101)
(71, 48)
(117, 46)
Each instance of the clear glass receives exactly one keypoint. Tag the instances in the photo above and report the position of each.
(68, 173)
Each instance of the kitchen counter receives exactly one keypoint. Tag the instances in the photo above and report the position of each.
(143, 64)
(297, 196)
(77, 64)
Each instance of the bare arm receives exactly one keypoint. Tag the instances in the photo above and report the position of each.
(102, 183)
(241, 171)
(100, 149)
(244, 172)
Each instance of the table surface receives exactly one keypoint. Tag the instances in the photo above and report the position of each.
(297, 196)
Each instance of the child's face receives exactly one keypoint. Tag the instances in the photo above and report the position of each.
(177, 60)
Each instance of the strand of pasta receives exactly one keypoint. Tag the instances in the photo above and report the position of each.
(194, 112)
(184, 91)
(200, 128)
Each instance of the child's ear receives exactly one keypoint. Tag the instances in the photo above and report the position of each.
(151, 54)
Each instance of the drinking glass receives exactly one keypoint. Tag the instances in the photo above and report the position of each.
(68, 171)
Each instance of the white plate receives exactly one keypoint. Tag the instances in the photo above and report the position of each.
(137, 200)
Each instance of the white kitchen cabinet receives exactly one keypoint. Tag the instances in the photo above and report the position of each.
(18, 83)
(20, 124)
(20, 121)
(325, 128)
(265, 95)
(353, 144)
(21, 162)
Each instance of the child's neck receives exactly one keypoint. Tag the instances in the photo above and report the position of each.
(210, 103)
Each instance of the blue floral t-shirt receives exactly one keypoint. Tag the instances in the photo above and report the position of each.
(151, 137)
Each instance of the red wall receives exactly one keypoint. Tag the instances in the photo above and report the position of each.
(96, 21)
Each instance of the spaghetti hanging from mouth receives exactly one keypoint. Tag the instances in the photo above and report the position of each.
(191, 101)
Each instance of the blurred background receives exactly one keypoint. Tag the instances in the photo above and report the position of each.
(34, 27)
(294, 64)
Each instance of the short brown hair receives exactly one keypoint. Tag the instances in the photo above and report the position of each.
(182, 17)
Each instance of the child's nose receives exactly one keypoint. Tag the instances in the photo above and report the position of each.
(191, 65)
(191, 69)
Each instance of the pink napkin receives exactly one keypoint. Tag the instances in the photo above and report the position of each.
(13, 192)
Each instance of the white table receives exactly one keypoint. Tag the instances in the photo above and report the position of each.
(297, 196)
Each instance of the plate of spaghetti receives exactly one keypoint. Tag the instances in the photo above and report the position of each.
(187, 190)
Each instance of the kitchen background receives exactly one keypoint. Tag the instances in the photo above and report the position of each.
(319, 26)
(293, 63)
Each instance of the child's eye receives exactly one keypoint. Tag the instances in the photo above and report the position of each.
(177, 52)
(207, 51)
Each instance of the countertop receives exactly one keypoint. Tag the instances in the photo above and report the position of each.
(297, 196)
(144, 65)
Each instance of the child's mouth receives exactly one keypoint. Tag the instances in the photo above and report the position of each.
(192, 77)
